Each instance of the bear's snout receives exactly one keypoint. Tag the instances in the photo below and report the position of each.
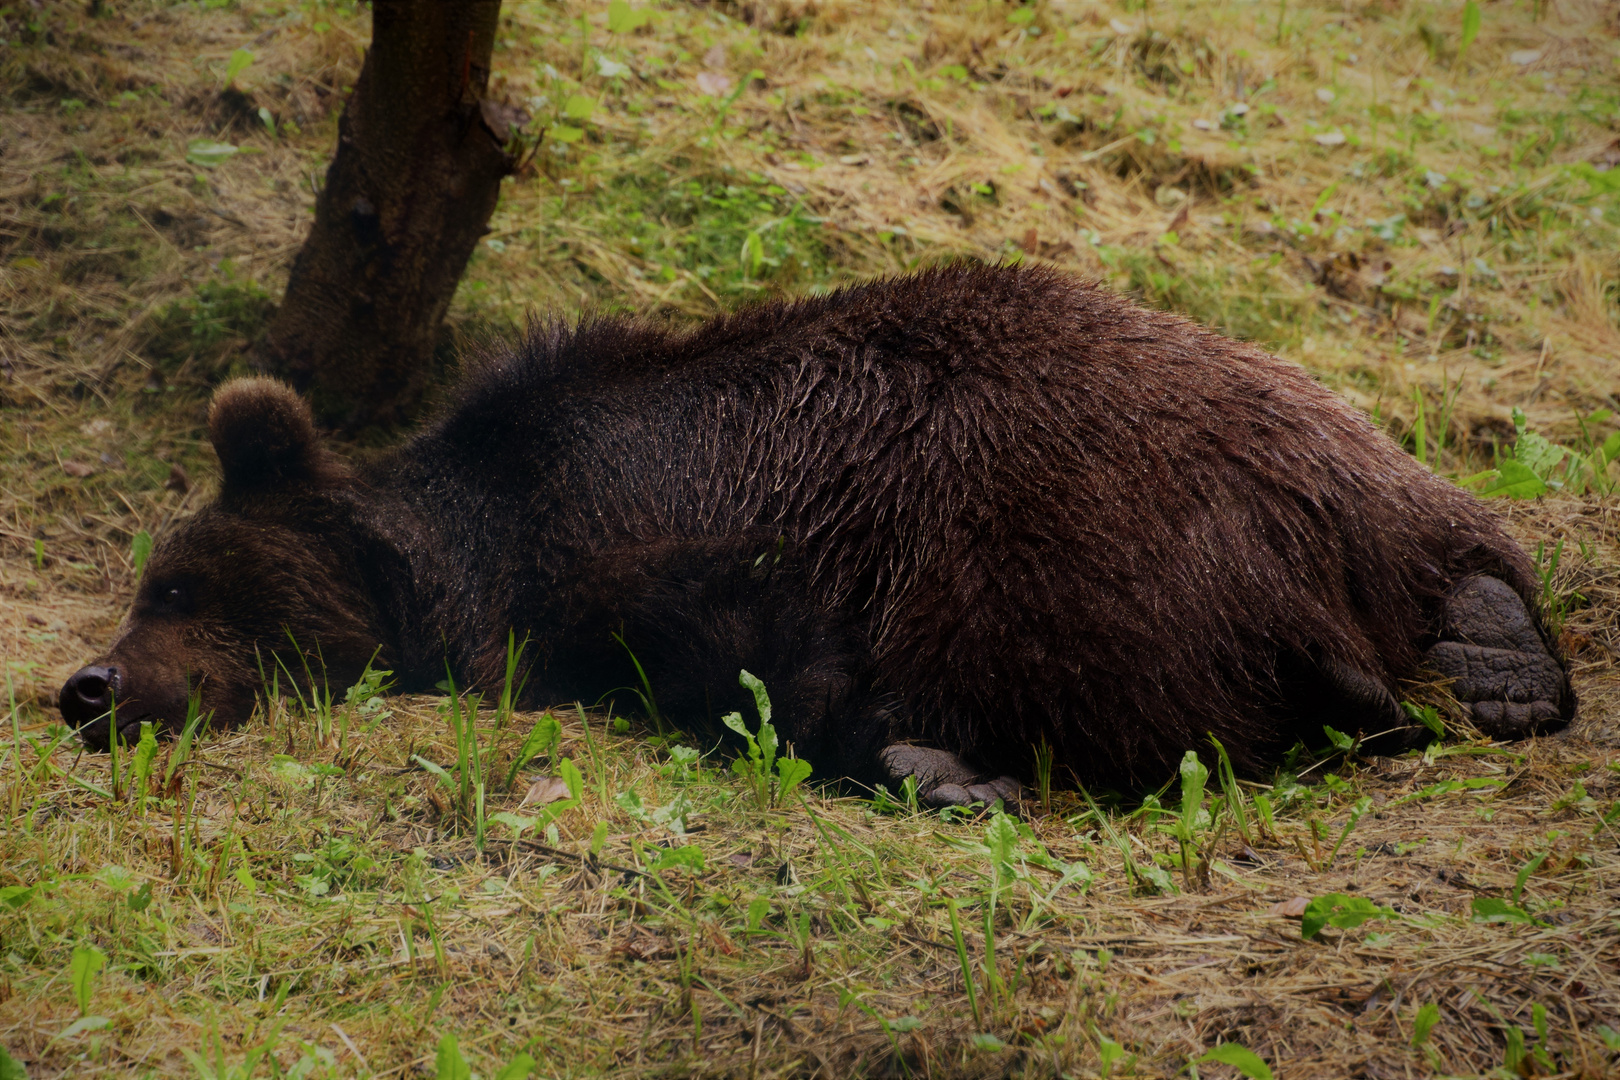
(114, 688)
(88, 695)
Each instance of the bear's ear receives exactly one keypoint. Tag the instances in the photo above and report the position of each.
(265, 437)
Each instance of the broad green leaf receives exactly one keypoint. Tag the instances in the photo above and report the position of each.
(15, 896)
(145, 751)
(1470, 26)
(1423, 1023)
(689, 856)
(766, 739)
(1337, 909)
(1156, 876)
(570, 774)
(1241, 1058)
(245, 878)
(1339, 739)
(762, 700)
(734, 721)
(1108, 1052)
(516, 822)
(114, 877)
(1538, 454)
(1602, 183)
(10, 1067)
(753, 253)
(1524, 874)
(239, 62)
(208, 153)
(767, 748)
(86, 961)
(449, 1064)
(1193, 777)
(1002, 840)
(1611, 447)
(1515, 480)
(758, 908)
(84, 1024)
(1493, 909)
(563, 133)
(542, 736)
(624, 19)
(1513, 1054)
(1427, 716)
(519, 1068)
(579, 107)
(630, 803)
(672, 815)
(437, 770)
(791, 773)
(140, 549)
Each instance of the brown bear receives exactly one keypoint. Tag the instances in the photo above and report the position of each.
(943, 517)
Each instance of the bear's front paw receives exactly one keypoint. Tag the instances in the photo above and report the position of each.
(942, 778)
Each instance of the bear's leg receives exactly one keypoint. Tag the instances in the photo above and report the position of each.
(1501, 669)
(694, 613)
(942, 778)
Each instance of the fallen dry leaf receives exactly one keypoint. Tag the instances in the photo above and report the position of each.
(640, 945)
(78, 469)
(547, 789)
(1292, 908)
(712, 83)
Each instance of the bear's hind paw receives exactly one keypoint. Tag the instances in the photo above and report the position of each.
(942, 778)
(1500, 670)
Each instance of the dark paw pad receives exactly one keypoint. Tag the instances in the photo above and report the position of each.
(1485, 611)
(1500, 668)
(942, 778)
(1509, 720)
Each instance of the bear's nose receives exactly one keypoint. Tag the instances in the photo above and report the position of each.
(88, 694)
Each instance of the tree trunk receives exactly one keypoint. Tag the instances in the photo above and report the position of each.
(418, 169)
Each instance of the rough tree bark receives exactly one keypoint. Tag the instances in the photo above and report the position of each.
(418, 168)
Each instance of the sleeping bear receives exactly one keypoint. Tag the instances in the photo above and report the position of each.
(944, 518)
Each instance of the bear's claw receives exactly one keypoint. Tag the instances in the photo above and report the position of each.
(1501, 669)
(942, 778)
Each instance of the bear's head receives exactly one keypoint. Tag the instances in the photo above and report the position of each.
(264, 583)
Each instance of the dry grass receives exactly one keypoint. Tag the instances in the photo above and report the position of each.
(880, 137)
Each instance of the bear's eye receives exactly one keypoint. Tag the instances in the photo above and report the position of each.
(171, 597)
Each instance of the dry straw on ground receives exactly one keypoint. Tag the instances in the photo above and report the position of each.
(1425, 226)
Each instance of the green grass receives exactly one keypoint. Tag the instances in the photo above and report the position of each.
(668, 917)
(306, 896)
(199, 334)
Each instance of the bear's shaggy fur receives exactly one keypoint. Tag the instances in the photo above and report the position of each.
(970, 509)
